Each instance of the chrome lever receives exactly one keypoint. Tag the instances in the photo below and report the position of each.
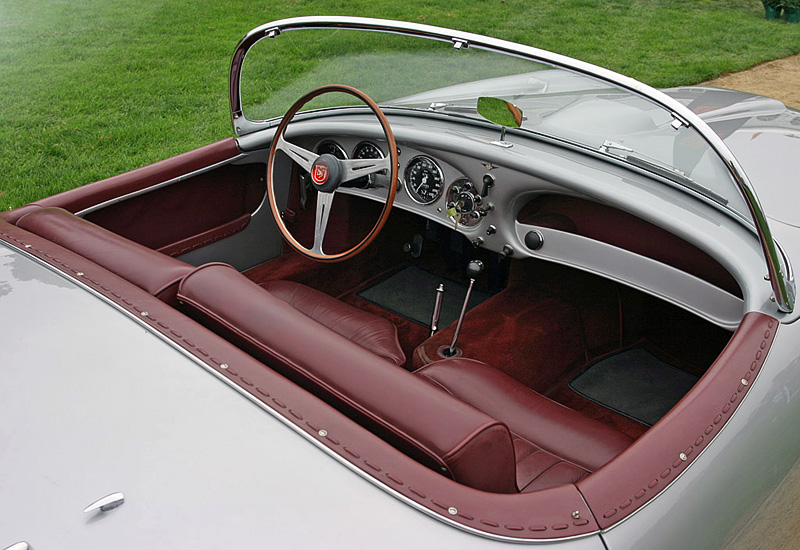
(437, 309)
(474, 269)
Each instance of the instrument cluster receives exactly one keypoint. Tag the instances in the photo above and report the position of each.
(424, 182)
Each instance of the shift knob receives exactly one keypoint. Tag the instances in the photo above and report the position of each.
(474, 269)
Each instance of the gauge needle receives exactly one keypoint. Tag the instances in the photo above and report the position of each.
(421, 183)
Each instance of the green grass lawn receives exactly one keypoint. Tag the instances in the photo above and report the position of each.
(93, 88)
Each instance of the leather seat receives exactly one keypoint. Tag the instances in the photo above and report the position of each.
(553, 444)
(437, 430)
(457, 416)
(369, 331)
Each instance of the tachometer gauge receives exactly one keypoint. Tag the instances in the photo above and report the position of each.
(423, 180)
(330, 147)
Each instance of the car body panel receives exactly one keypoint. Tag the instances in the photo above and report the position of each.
(113, 390)
(200, 466)
(746, 464)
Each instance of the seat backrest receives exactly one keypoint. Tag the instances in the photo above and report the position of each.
(414, 415)
(148, 269)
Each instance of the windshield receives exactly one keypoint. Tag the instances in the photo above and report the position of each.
(426, 69)
(411, 72)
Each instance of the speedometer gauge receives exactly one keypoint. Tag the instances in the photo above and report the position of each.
(423, 180)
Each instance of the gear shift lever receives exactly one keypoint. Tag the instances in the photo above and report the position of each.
(474, 269)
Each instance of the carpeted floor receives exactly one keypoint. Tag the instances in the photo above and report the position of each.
(634, 383)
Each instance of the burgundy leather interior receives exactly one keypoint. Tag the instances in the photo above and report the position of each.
(553, 444)
(369, 331)
(181, 212)
(442, 432)
(458, 416)
(160, 274)
(152, 271)
(485, 429)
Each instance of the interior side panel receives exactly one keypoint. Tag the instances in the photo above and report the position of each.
(192, 207)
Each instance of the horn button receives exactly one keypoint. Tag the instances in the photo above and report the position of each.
(326, 173)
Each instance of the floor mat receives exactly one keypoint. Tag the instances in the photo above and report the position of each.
(411, 293)
(634, 383)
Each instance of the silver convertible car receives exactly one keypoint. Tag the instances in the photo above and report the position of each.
(438, 291)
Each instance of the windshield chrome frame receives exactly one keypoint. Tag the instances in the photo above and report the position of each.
(779, 270)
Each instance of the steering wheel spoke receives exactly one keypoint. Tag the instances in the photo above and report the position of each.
(355, 168)
(327, 174)
(301, 156)
(324, 203)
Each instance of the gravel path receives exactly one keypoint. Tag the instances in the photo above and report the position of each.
(779, 79)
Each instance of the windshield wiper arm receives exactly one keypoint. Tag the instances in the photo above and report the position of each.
(454, 107)
(662, 169)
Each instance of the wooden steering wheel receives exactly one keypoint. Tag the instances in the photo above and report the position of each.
(328, 173)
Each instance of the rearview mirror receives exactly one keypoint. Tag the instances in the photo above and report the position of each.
(500, 112)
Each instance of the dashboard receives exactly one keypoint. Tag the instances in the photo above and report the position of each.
(458, 177)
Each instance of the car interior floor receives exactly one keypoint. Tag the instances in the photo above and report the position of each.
(591, 344)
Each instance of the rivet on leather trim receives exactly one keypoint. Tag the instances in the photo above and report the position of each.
(322, 433)
(452, 510)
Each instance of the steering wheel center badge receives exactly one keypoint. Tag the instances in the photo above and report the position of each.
(320, 173)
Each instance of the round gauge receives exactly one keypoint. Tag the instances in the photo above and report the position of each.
(330, 147)
(423, 180)
(365, 150)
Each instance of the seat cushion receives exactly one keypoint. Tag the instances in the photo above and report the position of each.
(553, 444)
(369, 331)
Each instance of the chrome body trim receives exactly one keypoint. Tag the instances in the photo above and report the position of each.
(780, 273)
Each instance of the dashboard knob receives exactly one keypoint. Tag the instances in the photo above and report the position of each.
(475, 268)
(534, 240)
